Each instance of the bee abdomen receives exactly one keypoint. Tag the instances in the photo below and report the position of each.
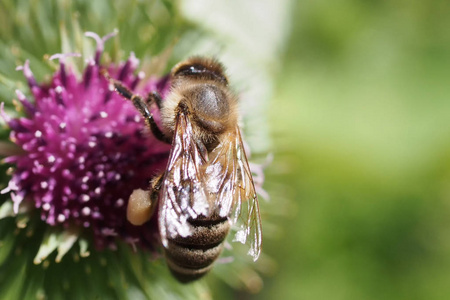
(189, 258)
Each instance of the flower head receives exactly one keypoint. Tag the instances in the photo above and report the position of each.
(85, 149)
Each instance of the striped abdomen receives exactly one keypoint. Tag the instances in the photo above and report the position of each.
(191, 257)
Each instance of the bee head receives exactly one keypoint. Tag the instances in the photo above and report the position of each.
(200, 68)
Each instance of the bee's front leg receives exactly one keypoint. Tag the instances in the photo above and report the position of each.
(141, 106)
(142, 204)
(156, 98)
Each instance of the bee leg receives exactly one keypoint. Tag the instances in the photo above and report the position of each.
(142, 204)
(140, 207)
(144, 110)
(140, 104)
(154, 97)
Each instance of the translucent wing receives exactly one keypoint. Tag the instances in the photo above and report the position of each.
(230, 179)
(183, 193)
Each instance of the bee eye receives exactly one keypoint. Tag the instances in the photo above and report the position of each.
(197, 70)
(187, 70)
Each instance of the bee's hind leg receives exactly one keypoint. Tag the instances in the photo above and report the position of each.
(142, 204)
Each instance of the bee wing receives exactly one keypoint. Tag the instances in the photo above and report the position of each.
(230, 178)
(183, 193)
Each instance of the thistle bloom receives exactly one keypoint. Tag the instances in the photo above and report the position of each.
(84, 149)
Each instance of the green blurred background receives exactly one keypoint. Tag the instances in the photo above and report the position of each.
(361, 130)
(359, 125)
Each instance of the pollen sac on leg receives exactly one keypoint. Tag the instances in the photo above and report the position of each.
(139, 208)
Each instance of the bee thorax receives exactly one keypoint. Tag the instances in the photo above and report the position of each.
(210, 106)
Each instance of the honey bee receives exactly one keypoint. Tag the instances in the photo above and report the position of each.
(207, 186)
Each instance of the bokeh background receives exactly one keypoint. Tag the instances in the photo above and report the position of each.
(353, 103)
(361, 124)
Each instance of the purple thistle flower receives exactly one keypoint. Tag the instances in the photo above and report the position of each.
(85, 149)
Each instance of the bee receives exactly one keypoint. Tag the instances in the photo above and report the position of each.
(207, 186)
